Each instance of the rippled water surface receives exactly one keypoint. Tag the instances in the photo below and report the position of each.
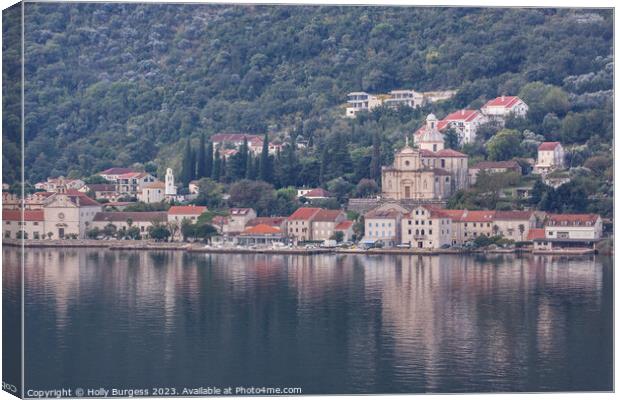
(327, 324)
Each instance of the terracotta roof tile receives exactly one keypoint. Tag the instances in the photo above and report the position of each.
(304, 213)
(571, 219)
(503, 101)
(186, 210)
(116, 171)
(344, 225)
(327, 215)
(536, 233)
(29, 215)
(462, 115)
(548, 146)
(261, 229)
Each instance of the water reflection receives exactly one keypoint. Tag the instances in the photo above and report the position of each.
(329, 324)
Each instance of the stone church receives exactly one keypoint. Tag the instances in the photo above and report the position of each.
(427, 171)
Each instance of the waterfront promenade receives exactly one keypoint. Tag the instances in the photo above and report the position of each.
(120, 245)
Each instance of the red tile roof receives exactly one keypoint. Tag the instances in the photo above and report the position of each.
(186, 210)
(455, 215)
(344, 225)
(536, 233)
(513, 215)
(381, 214)
(503, 101)
(462, 115)
(304, 213)
(29, 215)
(327, 215)
(271, 221)
(318, 192)
(548, 146)
(117, 171)
(135, 216)
(478, 216)
(78, 197)
(261, 229)
(571, 219)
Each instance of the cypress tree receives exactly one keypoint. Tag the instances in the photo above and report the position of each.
(186, 164)
(323, 167)
(201, 166)
(265, 163)
(217, 165)
(192, 169)
(375, 161)
(209, 161)
(248, 167)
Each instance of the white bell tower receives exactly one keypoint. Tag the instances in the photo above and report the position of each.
(171, 190)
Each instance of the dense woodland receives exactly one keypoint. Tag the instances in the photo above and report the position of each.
(147, 84)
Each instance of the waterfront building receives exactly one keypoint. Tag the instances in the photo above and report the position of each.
(324, 224)
(69, 213)
(502, 107)
(493, 167)
(550, 157)
(276, 222)
(514, 225)
(383, 224)
(426, 227)
(426, 172)
(190, 213)
(299, 224)
(346, 227)
(261, 234)
(143, 220)
(26, 224)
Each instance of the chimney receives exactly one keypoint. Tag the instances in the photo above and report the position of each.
(503, 97)
(462, 112)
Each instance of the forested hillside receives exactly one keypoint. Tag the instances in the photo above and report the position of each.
(118, 84)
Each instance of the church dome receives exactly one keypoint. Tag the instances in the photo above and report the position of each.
(431, 117)
(431, 135)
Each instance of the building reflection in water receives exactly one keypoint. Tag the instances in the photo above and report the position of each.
(330, 322)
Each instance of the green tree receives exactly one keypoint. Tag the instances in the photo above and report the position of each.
(265, 166)
(504, 145)
(187, 166)
(375, 162)
(201, 164)
(208, 173)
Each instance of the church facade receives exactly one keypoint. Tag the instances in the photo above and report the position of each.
(426, 172)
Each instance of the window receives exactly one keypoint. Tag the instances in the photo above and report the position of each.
(8, 222)
(443, 163)
(409, 222)
(447, 179)
(430, 222)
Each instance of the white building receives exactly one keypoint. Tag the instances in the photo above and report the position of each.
(125, 219)
(69, 213)
(550, 157)
(361, 101)
(170, 189)
(465, 123)
(29, 225)
(564, 231)
(426, 227)
(501, 107)
(404, 98)
(152, 192)
(54, 184)
(382, 225)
